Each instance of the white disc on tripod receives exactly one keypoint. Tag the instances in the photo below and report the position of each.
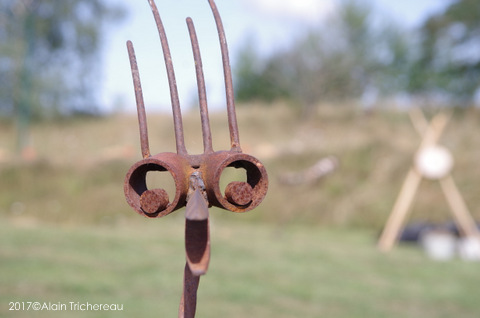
(434, 162)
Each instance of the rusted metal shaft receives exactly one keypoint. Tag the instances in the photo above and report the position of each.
(142, 117)
(232, 116)
(202, 94)
(188, 302)
(177, 113)
(197, 246)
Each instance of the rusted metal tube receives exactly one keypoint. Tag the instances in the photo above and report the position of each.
(257, 178)
(142, 117)
(135, 181)
(177, 113)
(202, 94)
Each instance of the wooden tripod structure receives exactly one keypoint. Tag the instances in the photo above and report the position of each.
(431, 133)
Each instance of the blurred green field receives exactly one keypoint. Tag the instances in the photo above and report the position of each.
(256, 270)
(67, 233)
(80, 164)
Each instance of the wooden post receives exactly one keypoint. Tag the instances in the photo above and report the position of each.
(400, 211)
(466, 223)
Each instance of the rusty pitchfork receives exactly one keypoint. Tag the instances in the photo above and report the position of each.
(196, 177)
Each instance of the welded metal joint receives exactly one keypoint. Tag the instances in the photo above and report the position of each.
(196, 177)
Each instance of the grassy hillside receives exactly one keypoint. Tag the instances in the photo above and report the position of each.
(78, 172)
(67, 234)
(255, 271)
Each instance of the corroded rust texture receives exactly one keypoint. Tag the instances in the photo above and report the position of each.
(196, 177)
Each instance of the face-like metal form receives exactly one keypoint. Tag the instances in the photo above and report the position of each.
(196, 177)
(238, 196)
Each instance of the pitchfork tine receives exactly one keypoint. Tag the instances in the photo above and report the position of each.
(142, 117)
(177, 114)
(202, 95)
(232, 117)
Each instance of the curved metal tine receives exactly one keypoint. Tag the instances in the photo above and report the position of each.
(232, 116)
(202, 95)
(177, 114)
(142, 117)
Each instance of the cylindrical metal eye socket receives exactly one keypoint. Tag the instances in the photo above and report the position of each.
(244, 196)
(154, 201)
(240, 196)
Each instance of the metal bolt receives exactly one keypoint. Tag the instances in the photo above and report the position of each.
(239, 193)
(154, 201)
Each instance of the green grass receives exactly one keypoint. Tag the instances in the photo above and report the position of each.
(67, 234)
(256, 271)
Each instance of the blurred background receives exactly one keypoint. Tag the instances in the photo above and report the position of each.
(314, 80)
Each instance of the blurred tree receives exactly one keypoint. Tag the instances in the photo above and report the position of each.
(255, 81)
(449, 59)
(342, 59)
(48, 56)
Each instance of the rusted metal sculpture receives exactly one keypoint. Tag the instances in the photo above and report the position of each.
(196, 177)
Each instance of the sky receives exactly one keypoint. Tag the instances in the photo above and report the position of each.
(271, 24)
